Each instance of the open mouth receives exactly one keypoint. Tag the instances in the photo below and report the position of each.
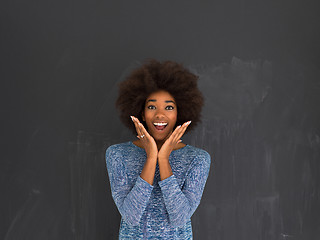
(160, 126)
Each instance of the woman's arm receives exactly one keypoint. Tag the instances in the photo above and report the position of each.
(164, 168)
(166, 149)
(150, 147)
(149, 170)
(182, 203)
(130, 201)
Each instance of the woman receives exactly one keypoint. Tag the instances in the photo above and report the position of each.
(157, 181)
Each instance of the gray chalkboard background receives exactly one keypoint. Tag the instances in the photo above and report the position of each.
(258, 63)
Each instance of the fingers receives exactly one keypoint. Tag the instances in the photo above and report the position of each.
(179, 131)
(140, 128)
(136, 124)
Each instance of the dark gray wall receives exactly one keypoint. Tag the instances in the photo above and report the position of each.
(258, 63)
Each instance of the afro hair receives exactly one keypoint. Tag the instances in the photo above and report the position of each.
(153, 76)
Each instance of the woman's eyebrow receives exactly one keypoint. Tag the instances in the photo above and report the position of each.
(167, 101)
(170, 101)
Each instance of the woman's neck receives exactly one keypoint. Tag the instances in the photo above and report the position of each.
(159, 144)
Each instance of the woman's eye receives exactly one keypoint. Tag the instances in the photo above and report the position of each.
(151, 107)
(169, 107)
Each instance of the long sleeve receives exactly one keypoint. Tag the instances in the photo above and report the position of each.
(131, 201)
(181, 203)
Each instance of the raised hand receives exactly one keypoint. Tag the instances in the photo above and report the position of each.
(172, 141)
(147, 141)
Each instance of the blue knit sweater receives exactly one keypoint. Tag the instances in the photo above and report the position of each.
(162, 210)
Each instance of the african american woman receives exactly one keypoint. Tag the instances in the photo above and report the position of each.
(157, 181)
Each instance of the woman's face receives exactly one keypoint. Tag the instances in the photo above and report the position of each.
(160, 114)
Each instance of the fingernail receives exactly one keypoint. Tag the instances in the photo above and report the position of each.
(131, 118)
(189, 122)
(179, 126)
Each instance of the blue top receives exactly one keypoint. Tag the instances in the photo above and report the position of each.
(162, 210)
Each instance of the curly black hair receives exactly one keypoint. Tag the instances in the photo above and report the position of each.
(153, 76)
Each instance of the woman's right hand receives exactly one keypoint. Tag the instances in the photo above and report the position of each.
(148, 142)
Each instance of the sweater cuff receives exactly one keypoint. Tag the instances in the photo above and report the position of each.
(168, 183)
(143, 184)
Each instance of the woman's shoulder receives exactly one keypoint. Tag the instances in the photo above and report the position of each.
(196, 151)
(198, 154)
(122, 148)
(117, 146)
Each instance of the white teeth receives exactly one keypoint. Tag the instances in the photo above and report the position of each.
(160, 124)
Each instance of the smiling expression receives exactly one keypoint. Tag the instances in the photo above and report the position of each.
(160, 114)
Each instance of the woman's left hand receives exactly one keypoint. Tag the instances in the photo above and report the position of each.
(172, 141)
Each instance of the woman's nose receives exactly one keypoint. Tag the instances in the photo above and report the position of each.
(159, 113)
